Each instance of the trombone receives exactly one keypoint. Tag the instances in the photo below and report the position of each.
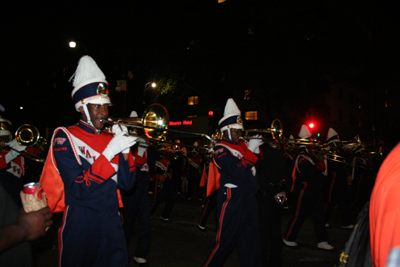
(28, 135)
(276, 131)
(155, 122)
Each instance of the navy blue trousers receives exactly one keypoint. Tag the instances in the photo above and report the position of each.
(89, 239)
(238, 225)
(308, 201)
(137, 206)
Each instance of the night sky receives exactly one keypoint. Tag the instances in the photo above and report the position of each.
(255, 44)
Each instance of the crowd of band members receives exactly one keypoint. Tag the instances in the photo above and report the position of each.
(183, 169)
(246, 184)
(175, 170)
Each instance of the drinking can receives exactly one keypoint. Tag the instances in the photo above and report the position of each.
(34, 189)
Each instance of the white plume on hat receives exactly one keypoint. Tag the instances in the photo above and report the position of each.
(87, 72)
(231, 108)
(133, 114)
(231, 111)
(291, 139)
(333, 136)
(304, 132)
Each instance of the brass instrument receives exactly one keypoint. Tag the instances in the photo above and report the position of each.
(28, 135)
(155, 122)
(276, 131)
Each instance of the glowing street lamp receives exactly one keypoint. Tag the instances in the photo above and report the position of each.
(73, 44)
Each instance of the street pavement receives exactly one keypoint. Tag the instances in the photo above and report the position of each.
(179, 243)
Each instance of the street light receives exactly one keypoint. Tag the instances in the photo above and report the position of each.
(73, 44)
(153, 85)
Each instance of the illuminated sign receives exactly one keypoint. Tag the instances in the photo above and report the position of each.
(182, 122)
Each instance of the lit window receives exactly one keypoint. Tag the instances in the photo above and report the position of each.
(193, 100)
(251, 115)
(247, 94)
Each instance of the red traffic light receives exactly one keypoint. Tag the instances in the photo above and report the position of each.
(210, 113)
(311, 125)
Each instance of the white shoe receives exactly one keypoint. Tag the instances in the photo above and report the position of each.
(324, 245)
(140, 260)
(350, 226)
(290, 243)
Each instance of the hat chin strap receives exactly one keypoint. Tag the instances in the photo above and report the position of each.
(87, 115)
(229, 133)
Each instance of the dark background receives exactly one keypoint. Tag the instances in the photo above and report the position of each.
(278, 49)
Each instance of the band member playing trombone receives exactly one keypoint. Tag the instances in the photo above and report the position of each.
(236, 202)
(308, 175)
(336, 189)
(92, 165)
(12, 163)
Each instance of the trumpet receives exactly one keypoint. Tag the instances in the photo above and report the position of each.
(28, 135)
(155, 122)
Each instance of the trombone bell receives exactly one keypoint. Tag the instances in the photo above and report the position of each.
(155, 116)
(27, 135)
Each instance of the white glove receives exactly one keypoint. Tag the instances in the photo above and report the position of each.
(255, 143)
(119, 143)
(141, 150)
(14, 144)
(11, 155)
(116, 129)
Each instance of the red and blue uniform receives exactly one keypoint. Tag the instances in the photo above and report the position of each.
(91, 231)
(236, 205)
(308, 178)
(12, 173)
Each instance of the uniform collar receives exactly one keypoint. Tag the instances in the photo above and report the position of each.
(88, 128)
(228, 141)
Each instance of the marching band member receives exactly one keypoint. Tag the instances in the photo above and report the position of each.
(84, 168)
(236, 204)
(12, 163)
(336, 188)
(163, 187)
(137, 205)
(362, 176)
(307, 195)
(194, 173)
(275, 183)
(208, 180)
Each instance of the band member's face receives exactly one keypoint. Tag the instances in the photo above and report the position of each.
(236, 134)
(98, 112)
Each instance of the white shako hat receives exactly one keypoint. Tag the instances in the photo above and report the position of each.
(5, 126)
(332, 136)
(231, 118)
(90, 84)
(304, 132)
(133, 114)
(291, 139)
